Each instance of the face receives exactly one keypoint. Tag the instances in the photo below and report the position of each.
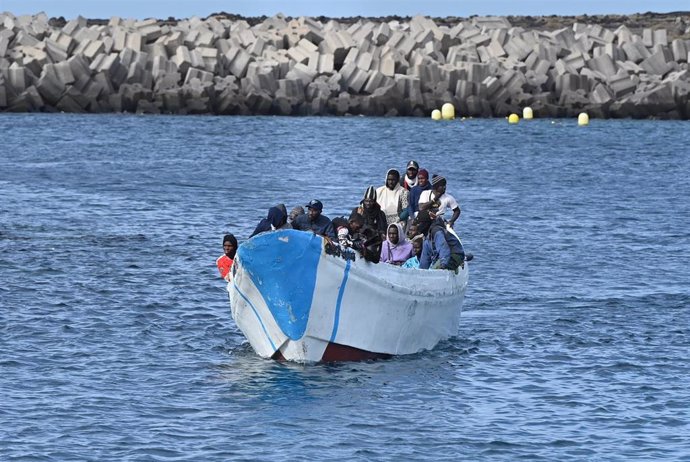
(229, 249)
(422, 181)
(411, 172)
(391, 181)
(412, 230)
(393, 234)
(440, 188)
(355, 226)
(368, 203)
(417, 247)
(314, 213)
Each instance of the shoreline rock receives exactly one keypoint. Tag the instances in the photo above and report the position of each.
(394, 66)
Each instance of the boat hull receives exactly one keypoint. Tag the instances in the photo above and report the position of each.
(295, 301)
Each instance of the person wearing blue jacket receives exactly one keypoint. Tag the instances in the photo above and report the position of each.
(441, 249)
(314, 221)
(416, 191)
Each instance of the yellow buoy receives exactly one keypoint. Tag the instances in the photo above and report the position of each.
(448, 111)
(527, 113)
(513, 119)
(436, 114)
(583, 119)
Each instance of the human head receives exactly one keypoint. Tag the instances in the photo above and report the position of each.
(423, 222)
(369, 198)
(295, 212)
(277, 216)
(412, 230)
(438, 184)
(230, 245)
(392, 178)
(422, 177)
(315, 207)
(393, 236)
(417, 245)
(412, 169)
(356, 221)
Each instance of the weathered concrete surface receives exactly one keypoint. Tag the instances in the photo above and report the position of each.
(611, 66)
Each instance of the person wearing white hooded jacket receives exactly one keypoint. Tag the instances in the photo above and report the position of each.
(393, 198)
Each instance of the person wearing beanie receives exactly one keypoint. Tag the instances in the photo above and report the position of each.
(422, 185)
(225, 261)
(437, 200)
(369, 208)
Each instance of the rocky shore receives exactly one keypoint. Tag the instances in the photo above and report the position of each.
(608, 66)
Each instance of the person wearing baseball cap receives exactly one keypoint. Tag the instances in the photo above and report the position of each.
(314, 221)
(409, 180)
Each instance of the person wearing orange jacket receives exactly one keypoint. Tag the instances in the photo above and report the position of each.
(224, 262)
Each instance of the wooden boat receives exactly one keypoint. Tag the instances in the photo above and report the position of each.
(294, 299)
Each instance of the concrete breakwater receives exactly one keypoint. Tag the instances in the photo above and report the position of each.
(485, 66)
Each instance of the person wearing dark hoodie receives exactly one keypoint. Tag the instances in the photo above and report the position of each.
(441, 248)
(374, 217)
(276, 219)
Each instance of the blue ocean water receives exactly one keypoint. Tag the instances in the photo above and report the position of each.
(116, 340)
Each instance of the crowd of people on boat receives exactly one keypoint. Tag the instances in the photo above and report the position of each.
(399, 223)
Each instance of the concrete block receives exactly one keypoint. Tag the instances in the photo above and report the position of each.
(576, 60)
(150, 32)
(94, 48)
(56, 52)
(182, 59)
(387, 65)
(629, 67)
(301, 72)
(623, 35)
(656, 64)
(4, 44)
(491, 85)
(600, 95)
(326, 64)
(678, 48)
(238, 66)
(382, 34)
(495, 49)
(298, 54)
(660, 37)
(73, 67)
(290, 88)
(603, 64)
(648, 38)
(621, 84)
(635, 51)
(246, 37)
(516, 47)
(50, 87)
(202, 76)
(134, 41)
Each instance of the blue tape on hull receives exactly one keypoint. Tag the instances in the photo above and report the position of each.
(341, 292)
(283, 265)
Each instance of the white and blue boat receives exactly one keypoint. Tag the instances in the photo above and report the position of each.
(296, 301)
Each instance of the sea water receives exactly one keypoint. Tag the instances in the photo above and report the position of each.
(116, 340)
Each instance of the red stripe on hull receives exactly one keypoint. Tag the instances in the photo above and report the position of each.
(336, 352)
